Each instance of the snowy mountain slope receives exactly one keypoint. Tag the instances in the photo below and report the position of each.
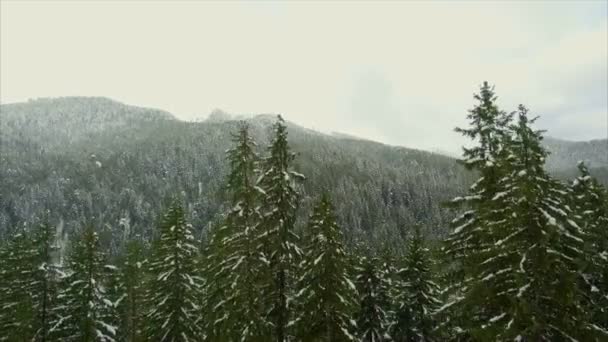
(97, 159)
(57, 122)
(566, 153)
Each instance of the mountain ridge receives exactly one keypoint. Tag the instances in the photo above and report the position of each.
(549, 140)
(82, 168)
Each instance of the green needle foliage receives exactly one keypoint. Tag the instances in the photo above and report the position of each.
(373, 322)
(590, 204)
(327, 295)
(281, 244)
(527, 258)
(130, 292)
(417, 299)
(17, 275)
(234, 258)
(472, 237)
(85, 313)
(174, 288)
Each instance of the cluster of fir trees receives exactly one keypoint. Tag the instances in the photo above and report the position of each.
(264, 282)
(527, 261)
(255, 279)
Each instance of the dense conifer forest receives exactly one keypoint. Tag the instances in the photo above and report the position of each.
(271, 243)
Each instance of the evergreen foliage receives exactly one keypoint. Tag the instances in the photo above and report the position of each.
(46, 277)
(327, 295)
(214, 293)
(590, 204)
(234, 259)
(390, 262)
(173, 289)
(373, 322)
(521, 272)
(417, 299)
(468, 245)
(129, 299)
(527, 260)
(282, 252)
(84, 311)
(537, 250)
(17, 276)
(28, 284)
(147, 155)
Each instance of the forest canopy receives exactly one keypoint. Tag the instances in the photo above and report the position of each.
(292, 235)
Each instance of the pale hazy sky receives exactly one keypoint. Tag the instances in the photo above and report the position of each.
(398, 72)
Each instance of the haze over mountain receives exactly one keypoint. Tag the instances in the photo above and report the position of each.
(386, 66)
(566, 153)
(92, 158)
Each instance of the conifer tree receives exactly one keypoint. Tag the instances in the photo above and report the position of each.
(17, 273)
(417, 298)
(388, 268)
(130, 294)
(517, 247)
(235, 266)
(244, 267)
(327, 295)
(590, 204)
(114, 295)
(278, 210)
(472, 237)
(537, 255)
(45, 285)
(372, 322)
(28, 285)
(174, 287)
(84, 311)
(490, 127)
(214, 286)
(524, 286)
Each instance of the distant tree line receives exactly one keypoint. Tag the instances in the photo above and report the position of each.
(527, 260)
(111, 165)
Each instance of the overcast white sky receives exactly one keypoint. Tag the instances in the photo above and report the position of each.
(398, 72)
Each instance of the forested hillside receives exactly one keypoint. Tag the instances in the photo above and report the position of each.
(100, 160)
(115, 165)
(233, 246)
(565, 153)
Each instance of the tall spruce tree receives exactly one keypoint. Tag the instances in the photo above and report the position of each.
(130, 295)
(214, 286)
(518, 244)
(281, 243)
(235, 268)
(46, 276)
(17, 274)
(417, 297)
(84, 312)
(389, 269)
(536, 259)
(327, 295)
(28, 285)
(473, 232)
(524, 286)
(373, 323)
(174, 289)
(590, 204)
